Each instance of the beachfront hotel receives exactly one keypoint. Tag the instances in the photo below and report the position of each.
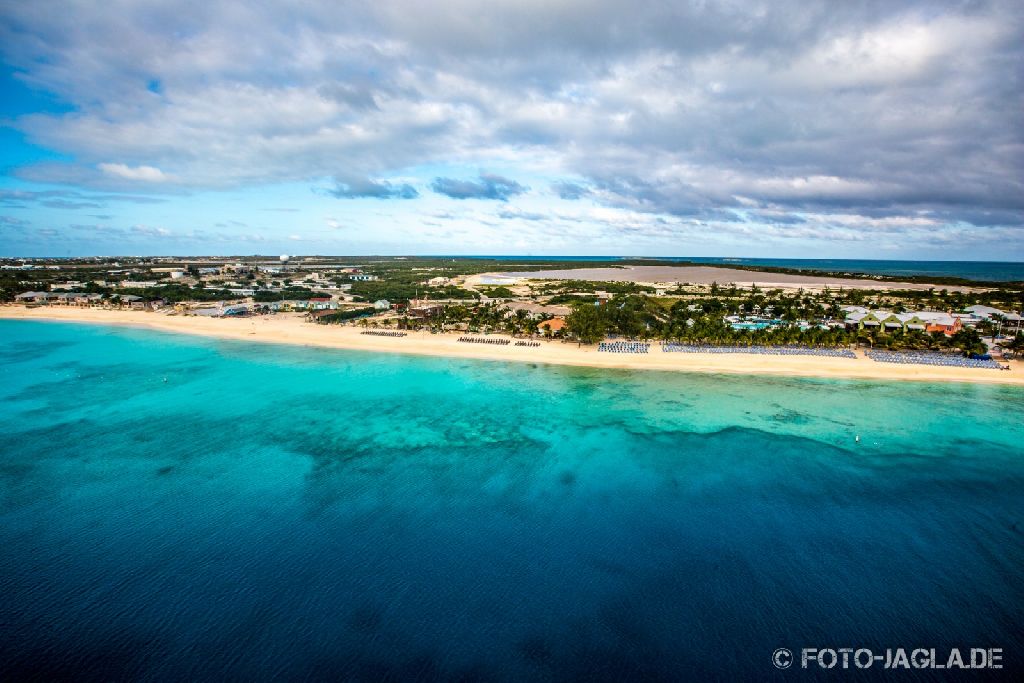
(858, 317)
(1012, 322)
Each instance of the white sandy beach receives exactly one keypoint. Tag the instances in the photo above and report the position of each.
(293, 329)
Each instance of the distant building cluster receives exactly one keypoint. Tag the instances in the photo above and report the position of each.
(79, 299)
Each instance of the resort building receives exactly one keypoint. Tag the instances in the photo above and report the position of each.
(322, 303)
(553, 326)
(422, 308)
(33, 297)
(59, 298)
(82, 299)
(1012, 322)
(130, 300)
(945, 323)
(858, 317)
(288, 305)
(534, 308)
(312, 304)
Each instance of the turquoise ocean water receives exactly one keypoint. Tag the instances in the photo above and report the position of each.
(275, 512)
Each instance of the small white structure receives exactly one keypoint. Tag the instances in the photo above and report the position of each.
(381, 305)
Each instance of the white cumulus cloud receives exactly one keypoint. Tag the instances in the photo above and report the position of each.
(147, 174)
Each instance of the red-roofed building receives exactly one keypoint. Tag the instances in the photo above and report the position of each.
(552, 326)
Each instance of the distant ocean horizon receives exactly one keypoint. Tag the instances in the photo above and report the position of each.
(182, 508)
(986, 271)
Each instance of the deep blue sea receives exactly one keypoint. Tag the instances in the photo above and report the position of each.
(174, 508)
(989, 271)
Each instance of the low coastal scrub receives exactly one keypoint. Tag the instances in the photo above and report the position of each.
(396, 291)
(342, 316)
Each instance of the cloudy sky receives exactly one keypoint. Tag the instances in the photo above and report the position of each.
(808, 129)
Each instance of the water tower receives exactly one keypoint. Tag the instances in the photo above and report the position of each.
(284, 261)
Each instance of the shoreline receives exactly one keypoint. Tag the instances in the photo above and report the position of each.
(294, 330)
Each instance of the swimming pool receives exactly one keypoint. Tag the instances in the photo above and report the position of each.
(753, 325)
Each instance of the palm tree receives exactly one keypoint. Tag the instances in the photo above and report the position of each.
(1015, 345)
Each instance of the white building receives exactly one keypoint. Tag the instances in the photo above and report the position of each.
(1011, 322)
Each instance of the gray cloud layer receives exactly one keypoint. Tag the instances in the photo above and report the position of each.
(67, 199)
(785, 113)
(488, 187)
(376, 189)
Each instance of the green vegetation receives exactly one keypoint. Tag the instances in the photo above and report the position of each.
(400, 292)
(498, 292)
(342, 316)
(178, 293)
(569, 286)
(13, 283)
(571, 299)
(702, 322)
(1016, 345)
(475, 318)
(588, 324)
